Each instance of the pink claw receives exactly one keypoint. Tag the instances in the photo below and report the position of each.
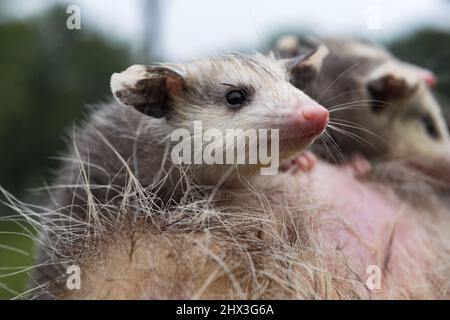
(304, 161)
(360, 165)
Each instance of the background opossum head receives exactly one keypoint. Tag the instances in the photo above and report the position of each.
(379, 106)
(233, 92)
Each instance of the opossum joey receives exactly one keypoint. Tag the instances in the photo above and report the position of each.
(380, 107)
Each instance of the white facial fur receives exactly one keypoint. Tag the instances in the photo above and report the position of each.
(273, 102)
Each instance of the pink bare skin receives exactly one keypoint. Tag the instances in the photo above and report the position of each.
(370, 225)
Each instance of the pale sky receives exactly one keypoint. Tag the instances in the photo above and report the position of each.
(195, 28)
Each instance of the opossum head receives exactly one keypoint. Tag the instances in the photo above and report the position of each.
(397, 113)
(405, 105)
(232, 92)
(408, 117)
(382, 107)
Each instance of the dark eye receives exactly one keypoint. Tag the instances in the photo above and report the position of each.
(430, 127)
(235, 98)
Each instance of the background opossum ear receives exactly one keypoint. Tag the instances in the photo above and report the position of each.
(427, 76)
(388, 87)
(303, 68)
(149, 89)
(287, 47)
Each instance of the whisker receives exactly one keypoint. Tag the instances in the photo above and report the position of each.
(359, 102)
(357, 127)
(340, 95)
(352, 135)
(339, 77)
(335, 148)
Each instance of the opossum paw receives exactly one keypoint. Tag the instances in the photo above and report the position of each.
(360, 165)
(304, 161)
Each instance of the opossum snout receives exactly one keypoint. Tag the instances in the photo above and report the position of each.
(311, 119)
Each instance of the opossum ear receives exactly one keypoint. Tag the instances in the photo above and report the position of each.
(149, 89)
(392, 80)
(304, 67)
(287, 47)
(388, 87)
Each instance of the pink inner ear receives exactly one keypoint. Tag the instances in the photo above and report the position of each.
(429, 77)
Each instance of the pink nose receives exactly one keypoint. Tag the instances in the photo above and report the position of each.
(430, 79)
(313, 119)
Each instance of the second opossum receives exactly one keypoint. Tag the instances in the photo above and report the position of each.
(380, 107)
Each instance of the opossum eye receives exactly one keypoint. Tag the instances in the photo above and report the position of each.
(430, 127)
(235, 98)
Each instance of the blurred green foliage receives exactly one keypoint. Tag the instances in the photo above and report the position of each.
(47, 75)
(16, 257)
